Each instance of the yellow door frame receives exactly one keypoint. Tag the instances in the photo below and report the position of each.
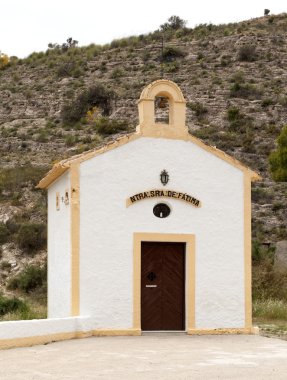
(189, 240)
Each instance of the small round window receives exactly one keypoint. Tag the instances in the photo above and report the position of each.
(161, 210)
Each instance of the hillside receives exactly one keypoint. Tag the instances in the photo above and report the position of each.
(233, 77)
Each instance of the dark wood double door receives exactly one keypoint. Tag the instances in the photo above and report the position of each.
(162, 286)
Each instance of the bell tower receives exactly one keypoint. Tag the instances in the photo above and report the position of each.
(177, 106)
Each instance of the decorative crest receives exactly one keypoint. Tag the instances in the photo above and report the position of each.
(164, 177)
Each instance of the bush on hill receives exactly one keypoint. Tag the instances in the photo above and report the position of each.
(170, 53)
(31, 236)
(247, 53)
(4, 233)
(30, 278)
(97, 95)
(10, 305)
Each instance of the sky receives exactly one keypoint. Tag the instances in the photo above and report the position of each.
(29, 25)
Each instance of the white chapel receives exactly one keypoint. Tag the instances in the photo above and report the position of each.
(151, 232)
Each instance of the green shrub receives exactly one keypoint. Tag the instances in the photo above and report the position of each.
(116, 73)
(42, 136)
(173, 23)
(239, 122)
(233, 114)
(70, 45)
(237, 77)
(200, 56)
(271, 19)
(198, 108)
(70, 140)
(96, 95)
(31, 236)
(73, 69)
(170, 53)
(245, 91)
(247, 141)
(30, 278)
(9, 305)
(105, 126)
(261, 195)
(266, 102)
(4, 233)
(259, 252)
(277, 206)
(171, 67)
(278, 158)
(247, 53)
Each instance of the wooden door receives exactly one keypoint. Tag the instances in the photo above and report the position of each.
(162, 286)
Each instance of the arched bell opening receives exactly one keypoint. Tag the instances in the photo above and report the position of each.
(161, 110)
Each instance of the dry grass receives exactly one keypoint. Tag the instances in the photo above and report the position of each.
(270, 309)
(36, 309)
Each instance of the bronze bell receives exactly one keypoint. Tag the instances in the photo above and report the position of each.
(161, 102)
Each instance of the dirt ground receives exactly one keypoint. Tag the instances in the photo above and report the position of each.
(157, 356)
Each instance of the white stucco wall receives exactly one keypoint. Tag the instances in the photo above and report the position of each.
(59, 251)
(42, 327)
(107, 226)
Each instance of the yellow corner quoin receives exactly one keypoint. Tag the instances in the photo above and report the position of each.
(176, 129)
(75, 240)
(247, 251)
(189, 239)
(163, 193)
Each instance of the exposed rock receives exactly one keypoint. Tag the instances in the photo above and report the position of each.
(7, 212)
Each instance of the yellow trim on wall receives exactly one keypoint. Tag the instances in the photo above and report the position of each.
(44, 339)
(119, 332)
(247, 251)
(34, 340)
(189, 239)
(75, 240)
(228, 331)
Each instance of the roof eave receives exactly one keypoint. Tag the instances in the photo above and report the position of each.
(56, 171)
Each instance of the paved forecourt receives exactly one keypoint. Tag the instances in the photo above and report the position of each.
(156, 356)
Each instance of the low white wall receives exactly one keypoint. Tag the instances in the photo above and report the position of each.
(42, 331)
(43, 327)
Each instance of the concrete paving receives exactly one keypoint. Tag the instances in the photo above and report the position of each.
(149, 357)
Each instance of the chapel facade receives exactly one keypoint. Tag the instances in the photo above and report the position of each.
(152, 232)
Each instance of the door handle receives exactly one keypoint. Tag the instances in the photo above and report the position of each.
(151, 286)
